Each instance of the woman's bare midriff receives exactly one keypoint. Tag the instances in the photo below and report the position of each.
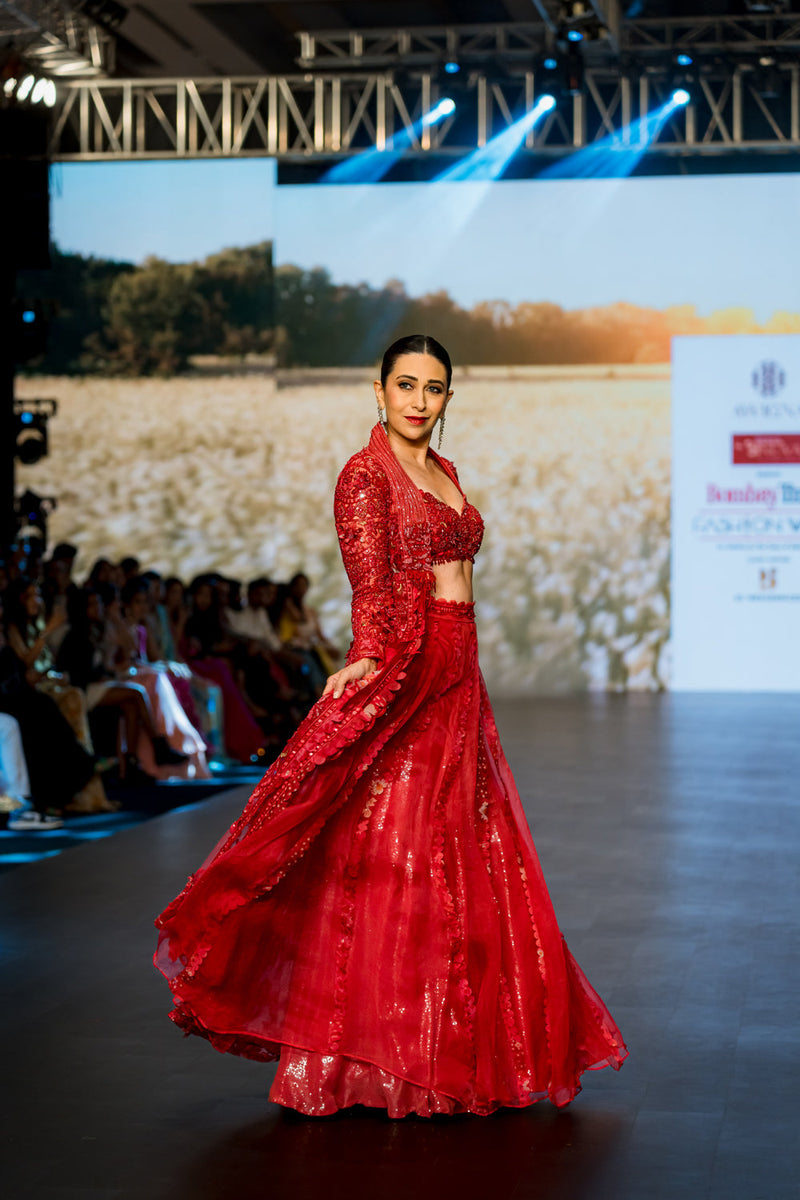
(453, 580)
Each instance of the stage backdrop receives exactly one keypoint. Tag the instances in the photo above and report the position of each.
(558, 301)
(736, 513)
(160, 355)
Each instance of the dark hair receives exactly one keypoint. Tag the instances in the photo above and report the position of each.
(107, 592)
(135, 586)
(77, 605)
(415, 343)
(15, 612)
(260, 582)
(97, 567)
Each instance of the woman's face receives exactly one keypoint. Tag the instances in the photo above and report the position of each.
(202, 597)
(414, 396)
(223, 589)
(137, 607)
(174, 595)
(94, 607)
(32, 601)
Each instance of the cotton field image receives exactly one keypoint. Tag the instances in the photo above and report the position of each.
(569, 467)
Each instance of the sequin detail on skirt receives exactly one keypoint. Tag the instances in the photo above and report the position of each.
(409, 958)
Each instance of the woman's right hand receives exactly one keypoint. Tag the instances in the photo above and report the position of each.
(358, 670)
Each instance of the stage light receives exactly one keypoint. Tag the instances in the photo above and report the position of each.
(26, 87)
(574, 73)
(574, 35)
(550, 64)
(443, 109)
(684, 60)
(28, 316)
(39, 90)
(490, 161)
(31, 440)
(617, 155)
(370, 166)
(8, 86)
(452, 67)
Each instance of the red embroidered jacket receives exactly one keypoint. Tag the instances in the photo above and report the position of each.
(389, 541)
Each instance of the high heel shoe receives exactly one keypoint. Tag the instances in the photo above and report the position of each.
(164, 755)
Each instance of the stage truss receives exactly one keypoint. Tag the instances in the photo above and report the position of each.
(305, 117)
(358, 88)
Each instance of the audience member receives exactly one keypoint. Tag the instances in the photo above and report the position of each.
(299, 627)
(176, 672)
(59, 767)
(30, 637)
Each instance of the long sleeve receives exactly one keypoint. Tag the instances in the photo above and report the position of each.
(361, 511)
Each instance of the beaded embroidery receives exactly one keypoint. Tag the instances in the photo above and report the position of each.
(455, 536)
(391, 533)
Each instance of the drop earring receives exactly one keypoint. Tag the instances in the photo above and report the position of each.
(382, 415)
(441, 430)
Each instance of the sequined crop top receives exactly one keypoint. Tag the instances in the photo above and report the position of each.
(455, 536)
(378, 551)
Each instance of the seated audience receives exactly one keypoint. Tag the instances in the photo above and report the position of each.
(299, 627)
(29, 635)
(135, 655)
(59, 767)
(209, 648)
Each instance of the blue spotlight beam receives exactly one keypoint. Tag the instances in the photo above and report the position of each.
(616, 156)
(491, 160)
(372, 165)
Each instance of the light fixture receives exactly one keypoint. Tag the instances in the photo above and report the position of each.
(680, 97)
(684, 60)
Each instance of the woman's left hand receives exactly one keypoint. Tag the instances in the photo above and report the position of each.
(339, 680)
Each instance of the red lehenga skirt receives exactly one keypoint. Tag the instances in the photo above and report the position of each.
(377, 918)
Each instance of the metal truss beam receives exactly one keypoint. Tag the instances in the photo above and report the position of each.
(338, 49)
(305, 117)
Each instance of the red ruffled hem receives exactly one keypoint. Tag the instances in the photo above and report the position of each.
(320, 1083)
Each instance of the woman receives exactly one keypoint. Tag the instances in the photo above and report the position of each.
(206, 646)
(180, 751)
(205, 696)
(377, 917)
(299, 627)
(31, 636)
(58, 766)
(87, 658)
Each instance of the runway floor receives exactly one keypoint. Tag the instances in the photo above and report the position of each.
(667, 827)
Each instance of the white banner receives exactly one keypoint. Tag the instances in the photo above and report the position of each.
(736, 513)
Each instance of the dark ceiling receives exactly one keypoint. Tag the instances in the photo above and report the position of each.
(251, 37)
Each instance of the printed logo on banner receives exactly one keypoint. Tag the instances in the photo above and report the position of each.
(765, 448)
(768, 378)
(768, 578)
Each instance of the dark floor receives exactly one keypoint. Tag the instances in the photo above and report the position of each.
(137, 804)
(667, 827)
